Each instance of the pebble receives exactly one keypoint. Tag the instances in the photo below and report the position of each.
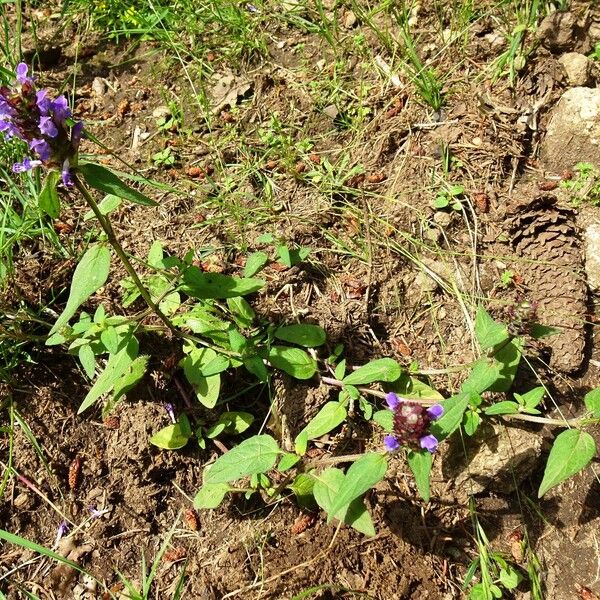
(578, 68)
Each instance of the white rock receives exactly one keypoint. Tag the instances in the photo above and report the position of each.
(573, 133)
(578, 67)
(592, 255)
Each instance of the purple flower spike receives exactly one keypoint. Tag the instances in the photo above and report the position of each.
(429, 443)
(435, 411)
(47, 127)
(392, 400)
(76, 135)
(9, 129)
(391, 443)
(21, 73)
(26, 165)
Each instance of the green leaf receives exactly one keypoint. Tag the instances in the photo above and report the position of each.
(454, 409)
(506, 407)
(302, 487)
(360, 477)
(87, 360)
(385, 419)
(571, 452)
(100, 178)
(412, 387)
(290, 257)
(210, 495)
(90, 274)
(255, 455)
(256, 366)
(471, 422)
(420, 463)
(110, 338)
(326, 490)
(510, 578)
(241, 310)
(107, 205)
(507, 360)
(170, 303)
(216, 365)
(340, 369)
(328, 418)
(255, 262)
(382, 369)
(592, 402)
(531, 399)
(484, 374)
(310, 336)
(173, 436)
(48, 199)
(488, 332)
(230, 423)
(134, 372)
(288, 461)
(116, 366)
(293, 361)
(202, 285)
(207, 388)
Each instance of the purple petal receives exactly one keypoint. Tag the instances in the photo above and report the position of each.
(66, 174)
(21, 73)
(76, 134)
(391, 443)
(6, 110)
(26, 165)
(63, 529)
(10, 129)
(435, 411)
(42, 101)
(47, 127)
(392, 400)
(429, 443)
(170, 411)
(60, 109)
(42, 148)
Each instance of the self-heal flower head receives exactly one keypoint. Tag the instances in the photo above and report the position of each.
(43, 122)
(411, 424)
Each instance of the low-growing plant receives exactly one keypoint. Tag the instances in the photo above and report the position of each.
(584, 185)
(220, 332)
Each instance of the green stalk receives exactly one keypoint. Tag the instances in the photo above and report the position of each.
(116, 245)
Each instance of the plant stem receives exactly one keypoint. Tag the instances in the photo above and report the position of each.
(578, 422)
(114, 242)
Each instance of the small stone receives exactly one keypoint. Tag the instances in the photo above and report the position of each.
(98, 87)
(425, 283)
(577, 67)
(161, 112)
(22, 501)
(592, 255)
(573, 132)
(350, 20)
(442, 218)
(331, 111)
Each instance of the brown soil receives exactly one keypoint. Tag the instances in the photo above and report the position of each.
(371, 296)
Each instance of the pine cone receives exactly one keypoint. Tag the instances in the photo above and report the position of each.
(545, 237)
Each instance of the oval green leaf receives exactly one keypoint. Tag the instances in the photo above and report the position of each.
(293, 361)
(306, 335)
(210, 495)
(571, 452)
(202, 285)
(382, 369)
(255, 455)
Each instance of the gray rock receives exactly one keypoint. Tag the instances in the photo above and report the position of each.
(573, 133)
(578, 68)
(592, 255)
(498, 458)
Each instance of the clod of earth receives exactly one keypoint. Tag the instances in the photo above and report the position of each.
(498, 459)
(545, 238)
